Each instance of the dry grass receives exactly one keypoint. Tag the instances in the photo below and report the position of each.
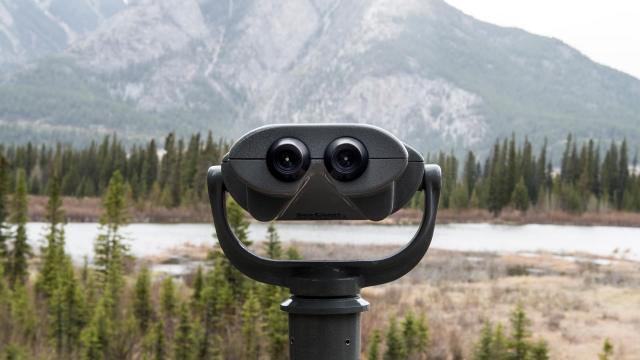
(88, 210)
(573, 302)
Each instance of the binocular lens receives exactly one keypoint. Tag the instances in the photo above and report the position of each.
(288, 159)
(346, 159)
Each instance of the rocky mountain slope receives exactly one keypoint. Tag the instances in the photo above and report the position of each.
(431, 74)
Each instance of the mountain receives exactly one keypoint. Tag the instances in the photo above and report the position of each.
(424, 70)
(33, 28)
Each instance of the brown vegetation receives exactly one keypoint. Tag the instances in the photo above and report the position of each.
(574, 302)
(88, 210)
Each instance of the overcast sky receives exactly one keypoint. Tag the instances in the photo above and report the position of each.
(607, 31)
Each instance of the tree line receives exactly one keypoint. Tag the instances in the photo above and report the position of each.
(589, 177)
(171, 175)
(515, 176)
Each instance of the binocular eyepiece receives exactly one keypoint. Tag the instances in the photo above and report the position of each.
(345, 158)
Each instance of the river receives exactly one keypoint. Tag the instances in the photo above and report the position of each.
(151, 239)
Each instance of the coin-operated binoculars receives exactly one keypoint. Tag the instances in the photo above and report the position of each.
(323, 172)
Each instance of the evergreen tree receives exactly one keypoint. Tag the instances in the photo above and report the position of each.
(111, 242)
(518, 342)
(539, 350)
(410, 334)
(373, 352)
(273, 244)
(97, 335)
(607, 351)
(238, 222)
(53, 252)
(276, 325)
(168, 300)
(67, 309)
(251, 327)
(500, 344)
(4, 191)
(20, 251)
(183, 344)
(470, 173)
(159, 351)
(142, 308)
(520, 196)
(198, 287)
(395, 346)
(483, 349)
(293, 253)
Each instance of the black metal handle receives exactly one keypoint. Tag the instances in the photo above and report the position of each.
(325, 278)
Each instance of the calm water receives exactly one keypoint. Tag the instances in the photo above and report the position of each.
(150, 239)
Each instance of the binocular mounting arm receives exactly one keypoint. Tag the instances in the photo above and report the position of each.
(325, 278)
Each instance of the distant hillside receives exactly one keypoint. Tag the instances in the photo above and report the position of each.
(433, 75)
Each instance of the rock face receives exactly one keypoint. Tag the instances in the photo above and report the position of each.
(420, 68)
(33, 28)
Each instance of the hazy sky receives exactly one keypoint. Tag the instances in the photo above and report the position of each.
(606, 31)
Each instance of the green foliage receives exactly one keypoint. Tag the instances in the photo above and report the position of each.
(484, 350)
(4, 191)
(252, 327)
(142, 307)
(373, 352)
(96, 337)
(395, 345)
(293, 253)
(607, 350)
(18, 256)
(109, 246)
(53, 258)
(539, 350)
(238, 221)
(519, 341)
(168, 300)
(520, 196)
(273, 244)
(183, 346)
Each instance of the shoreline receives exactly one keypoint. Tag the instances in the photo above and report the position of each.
(82, 210)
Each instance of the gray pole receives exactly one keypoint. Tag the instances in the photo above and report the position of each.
(324, 328)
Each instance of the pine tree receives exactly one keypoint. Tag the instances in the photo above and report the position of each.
(4, 191)
(111, 242)
(22, 313)
(273, 244)
(198, 287)
(142, 308)
(53, 252)
(67, 309)
(483, 349)
(373, 352)
(168, 300)
(539, 350)
(500, 344)
(183, 344)
(239, 224)
(18, 256)
(395, 346)
(293, 253)
(159, 351)
(276, 326)
(520, 196)
(518, 342)
(409, 327)
(607, 350)
(97, 335)
(251, 327)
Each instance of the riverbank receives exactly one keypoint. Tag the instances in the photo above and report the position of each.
(574, 301)
(89, 210)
